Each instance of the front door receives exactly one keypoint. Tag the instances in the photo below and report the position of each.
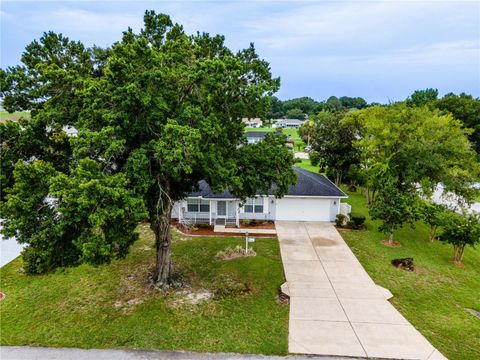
(222, 208)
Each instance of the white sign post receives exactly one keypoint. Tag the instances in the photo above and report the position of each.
(247, 240)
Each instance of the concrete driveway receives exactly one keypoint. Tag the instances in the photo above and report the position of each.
(335, 307)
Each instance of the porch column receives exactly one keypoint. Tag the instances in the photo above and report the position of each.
(210, 212)
(237, 211)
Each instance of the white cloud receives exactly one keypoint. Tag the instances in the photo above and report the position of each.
(87, 25)
(360, 26)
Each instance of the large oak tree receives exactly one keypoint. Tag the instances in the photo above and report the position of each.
(155, 113)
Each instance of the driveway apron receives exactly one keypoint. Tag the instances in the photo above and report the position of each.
(335, 307)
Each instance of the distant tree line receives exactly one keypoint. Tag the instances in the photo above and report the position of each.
(300, 108)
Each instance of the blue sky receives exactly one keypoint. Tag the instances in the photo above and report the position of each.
(380, 50)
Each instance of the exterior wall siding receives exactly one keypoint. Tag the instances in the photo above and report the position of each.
(271, 204)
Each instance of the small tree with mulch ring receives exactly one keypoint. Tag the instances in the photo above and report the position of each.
(460, 231)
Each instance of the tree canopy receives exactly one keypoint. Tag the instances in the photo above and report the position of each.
(410, 150)
(332, 144)
(461, 231)
(155, 113)
(465, 108)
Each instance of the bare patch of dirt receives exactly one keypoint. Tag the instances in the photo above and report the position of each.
(122, 304)
(190, 297)
(2, 296)
(393, 244)
(419, 270)
(473, 312)
(237, 255)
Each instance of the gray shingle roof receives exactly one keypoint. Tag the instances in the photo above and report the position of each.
(308, 184)
(256, 134)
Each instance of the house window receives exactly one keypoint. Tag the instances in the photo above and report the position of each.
(254, 205)
(204, 206)
(197, 205)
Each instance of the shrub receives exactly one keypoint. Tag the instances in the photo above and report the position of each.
(358, 221)
(340, 220)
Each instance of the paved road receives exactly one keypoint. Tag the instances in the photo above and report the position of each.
(335, 307)
(40, 353)
(9, 250)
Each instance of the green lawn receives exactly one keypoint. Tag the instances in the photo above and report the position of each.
(293, 133)
(307, 165)
(4, 115)
(76, 307)
(435, 297)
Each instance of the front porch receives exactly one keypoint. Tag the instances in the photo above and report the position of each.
(217, 212)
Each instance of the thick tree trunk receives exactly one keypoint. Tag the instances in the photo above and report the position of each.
(160, 224)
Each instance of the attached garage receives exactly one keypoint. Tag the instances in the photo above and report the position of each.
(306, 209)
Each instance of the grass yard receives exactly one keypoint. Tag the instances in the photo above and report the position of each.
(293, 133)
(435, 297)
(307, 165)
(4, 115)
(111, 307)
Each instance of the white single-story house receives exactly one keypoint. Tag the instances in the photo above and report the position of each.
(312, 198)
(252, 122)
(254, 137)
(288, 123)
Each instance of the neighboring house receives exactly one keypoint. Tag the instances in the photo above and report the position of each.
(288, 123)
(255, 136)
(254, 123)
(312, 198)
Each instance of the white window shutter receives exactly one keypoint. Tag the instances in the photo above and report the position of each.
(265, 205)
(242, 209)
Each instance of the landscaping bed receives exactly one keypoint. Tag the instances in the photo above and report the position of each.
(438, 297)
(207, 230)
(216, 305)
(256, 224)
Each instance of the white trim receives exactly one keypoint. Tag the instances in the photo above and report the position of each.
(265, 196)
(315, 197)
(265, 205)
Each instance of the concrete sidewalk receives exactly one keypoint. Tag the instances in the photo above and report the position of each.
(43, 353)
(335, 307)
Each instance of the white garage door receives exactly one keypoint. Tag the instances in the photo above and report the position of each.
(301, 209)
